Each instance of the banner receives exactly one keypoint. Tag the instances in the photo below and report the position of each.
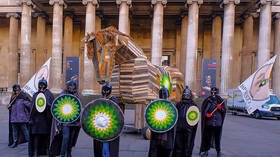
(31, 87)
(255, 89)
(208, 79)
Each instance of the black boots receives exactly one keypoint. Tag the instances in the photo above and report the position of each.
(14, 145)
(219, 154)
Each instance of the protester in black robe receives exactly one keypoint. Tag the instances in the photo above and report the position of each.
(185, 134)
(162, 144)
(64, 136)
(112, 147)
(213, 114)
(40, 123)
(16, 95)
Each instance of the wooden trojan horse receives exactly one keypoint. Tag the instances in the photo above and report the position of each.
(135, 80)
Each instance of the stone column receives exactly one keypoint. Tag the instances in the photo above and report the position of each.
(178, 46)
(247, 50)
(40, 39)
(25, 67)
(264, 32)
(184, 34)
(89, 84)
(217, 44)
(68, 34)
(192, 43)
(56, 63)
(124, 23)
(13, 48)
(227, 45)
(157, 31)
(276, 70)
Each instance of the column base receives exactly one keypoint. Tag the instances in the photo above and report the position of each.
(56, 90)
(88, 92)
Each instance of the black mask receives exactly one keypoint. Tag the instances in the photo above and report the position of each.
(71, 87)
(214, 91)
(42, 85)
(187, 94)
(106, 90)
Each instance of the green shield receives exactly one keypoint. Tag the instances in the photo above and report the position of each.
(66, 108)
(161, 115)
(102, 120)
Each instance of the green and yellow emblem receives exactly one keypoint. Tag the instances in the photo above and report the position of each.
(103, 120)
(166, 82)
(66, 108)
(192, 115)
(161, 115)
(40, 102)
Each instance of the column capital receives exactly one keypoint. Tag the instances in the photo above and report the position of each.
(194, 1)
(41, 14)
(184, 13)
(119, 2)
(69, 14)
(277, 16)
(94, 2)
(264, 2)
(15, 15)
(230, 1)
(26, 2)
(60, 2)
(163, 2)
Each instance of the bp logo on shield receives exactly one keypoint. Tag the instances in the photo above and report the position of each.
(161, 116)
(66, 108)
(40, 102)
(192, 115)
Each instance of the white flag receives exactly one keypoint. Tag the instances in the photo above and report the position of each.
(255, 89)
(31, 86)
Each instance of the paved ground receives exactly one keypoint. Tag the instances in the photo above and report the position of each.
(242, 137)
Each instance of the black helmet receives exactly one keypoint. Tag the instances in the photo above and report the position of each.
(187, 94)
(106, 89)
(43, 82)
(163, 93)
(16, 87)
(214, 91)
(71, 87)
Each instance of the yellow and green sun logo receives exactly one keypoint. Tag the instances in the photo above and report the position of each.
(103, 120)
(161, 115)
(166, 82)
(192, 115)
(66, 108)
(40, 102)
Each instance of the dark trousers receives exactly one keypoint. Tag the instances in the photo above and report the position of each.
(213, 132)
(65, 139)
(158, 150)
(38, 144)
(184, 142)
(17, 127)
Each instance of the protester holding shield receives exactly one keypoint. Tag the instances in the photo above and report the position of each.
(110, 148)
(188, 116)
(19, 112)
(213, 114)
(40, 120)
(161, 112)
(64, 135)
